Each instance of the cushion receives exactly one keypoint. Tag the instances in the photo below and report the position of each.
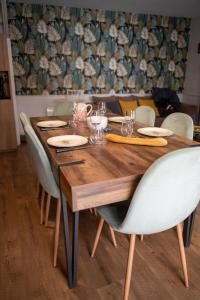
(126, 98)
(128, 105)
(151, 103)
(114, 107)
(112, 103)
(96, 99)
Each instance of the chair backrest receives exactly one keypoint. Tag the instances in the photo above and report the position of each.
(74, 92)
(24, 119)
(145, 114)
(180, 123)
(167, 193)
(41, 163)
(63, 108)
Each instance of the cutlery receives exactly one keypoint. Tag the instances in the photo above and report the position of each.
(54, 128)
(60, 150)
(72, 163)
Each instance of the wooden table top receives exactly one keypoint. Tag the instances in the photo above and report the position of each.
(111, 171)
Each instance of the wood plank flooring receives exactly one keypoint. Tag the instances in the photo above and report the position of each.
(26, 251)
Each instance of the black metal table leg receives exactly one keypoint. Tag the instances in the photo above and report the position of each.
(67, 239)
(75, 246)
(187, 229)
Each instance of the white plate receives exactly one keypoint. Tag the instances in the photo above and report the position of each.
(51, 123)
(67, 140)
(117, 119)
(155, 131)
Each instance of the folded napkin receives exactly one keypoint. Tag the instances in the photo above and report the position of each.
(156, 142)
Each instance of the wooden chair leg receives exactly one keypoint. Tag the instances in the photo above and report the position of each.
(97, 236)
(113, 236)
(141, 237)
(129, 267)
(95, 211)
(57, 231)
(47, 209)
(91, 211)
(182, 254)
(42, 207)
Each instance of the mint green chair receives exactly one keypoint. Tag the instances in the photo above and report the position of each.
(166, 195)
(145, 115)
(180, 123)
(63, 108)
(24, 119)
(45, 177)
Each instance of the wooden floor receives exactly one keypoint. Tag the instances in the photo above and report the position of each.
(26, 251)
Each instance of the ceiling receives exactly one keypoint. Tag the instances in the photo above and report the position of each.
(178, 8)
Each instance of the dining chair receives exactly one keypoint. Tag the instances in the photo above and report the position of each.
(63, 108)
(145, 114)
(46, 179)
(25, 121)
(180, 123)
(74, 92)
(164, 198)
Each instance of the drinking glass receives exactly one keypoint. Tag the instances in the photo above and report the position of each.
(130, 115)
(127, 128)
(102, 108)
(95, 120)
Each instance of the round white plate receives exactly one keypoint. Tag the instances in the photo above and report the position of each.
(67, 140)
(51, 123)
(155, 131)
(117, 119)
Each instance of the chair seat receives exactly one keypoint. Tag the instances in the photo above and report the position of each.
(114, 214)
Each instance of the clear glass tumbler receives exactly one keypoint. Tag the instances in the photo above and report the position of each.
(127, 128)
(95, 121)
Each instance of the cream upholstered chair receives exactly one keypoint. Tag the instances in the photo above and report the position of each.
(63, 108)
(25, 121)
(46, 178)
(145, 114)
(74, 92)
(180, 123)
(154, 206)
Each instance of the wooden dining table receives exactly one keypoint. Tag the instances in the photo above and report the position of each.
(110, 173)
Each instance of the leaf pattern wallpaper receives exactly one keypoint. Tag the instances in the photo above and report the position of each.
(58, 48)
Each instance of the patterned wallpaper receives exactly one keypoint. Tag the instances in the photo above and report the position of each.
(57, 48)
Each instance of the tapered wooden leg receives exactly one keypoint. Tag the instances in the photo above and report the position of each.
(47, 209)
(95, 211)
(141, 237)
(42, 207)
(113, 236)
(97, 236)
(57, 230)
(91, 211)
(129, 267)
(182, 254)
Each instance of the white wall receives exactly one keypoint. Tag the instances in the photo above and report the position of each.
(192, 80)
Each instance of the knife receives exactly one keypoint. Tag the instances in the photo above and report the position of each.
(72, 163)
(54, 128)
(60, 150)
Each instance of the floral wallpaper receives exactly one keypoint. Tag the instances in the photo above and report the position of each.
(58, 48)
